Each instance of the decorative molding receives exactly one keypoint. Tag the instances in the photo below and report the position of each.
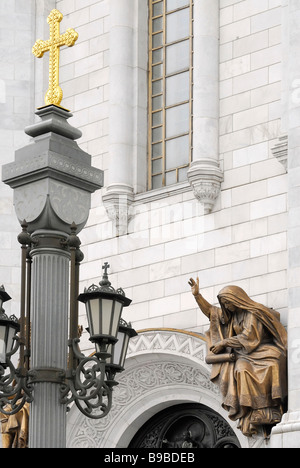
(134, 384)
(51, 204)
(168, 340)
(52, 121)
(161, 193)
(118, 202)
(160, 363)
(205, 178)
(280, 151)
(55, 166)
(54, 154)
(145, 377)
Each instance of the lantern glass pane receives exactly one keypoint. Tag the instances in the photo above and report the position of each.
(118, 349)
(94, 324)
(106, 311)
(2, 344)
(110, 350)
(116, 318)
(124, 349)
(11, 334)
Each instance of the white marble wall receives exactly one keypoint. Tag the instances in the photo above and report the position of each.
(287, 433)
(17, 20)
(243, 240)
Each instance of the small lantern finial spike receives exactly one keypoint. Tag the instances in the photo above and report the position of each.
(105, 281)
(105, 267)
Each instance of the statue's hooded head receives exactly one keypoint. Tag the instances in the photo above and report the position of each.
(237, 297)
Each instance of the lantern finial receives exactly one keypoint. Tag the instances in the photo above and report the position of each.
(105, 281)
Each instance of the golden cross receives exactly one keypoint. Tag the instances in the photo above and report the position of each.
(54, 94)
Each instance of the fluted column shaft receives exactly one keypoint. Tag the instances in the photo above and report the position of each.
(49, 334)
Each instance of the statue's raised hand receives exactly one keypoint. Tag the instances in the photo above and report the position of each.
(195, 286)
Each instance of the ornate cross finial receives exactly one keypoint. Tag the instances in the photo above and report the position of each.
(54, 94)
(105, 267)
(105, 283)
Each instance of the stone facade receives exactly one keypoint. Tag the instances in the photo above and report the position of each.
(156, 240)
(243, 240)
(16, 111)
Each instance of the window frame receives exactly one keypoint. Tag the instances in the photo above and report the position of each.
(162, 94)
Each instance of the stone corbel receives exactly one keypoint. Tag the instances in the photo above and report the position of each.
(118, 204)
(205, 178)
(280, 151)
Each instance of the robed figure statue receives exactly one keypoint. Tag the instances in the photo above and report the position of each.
(247, 347)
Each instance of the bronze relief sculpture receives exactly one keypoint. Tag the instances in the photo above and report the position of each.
(247, 347)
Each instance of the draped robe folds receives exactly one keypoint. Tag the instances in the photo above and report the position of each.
(14, 428)
(257, 379)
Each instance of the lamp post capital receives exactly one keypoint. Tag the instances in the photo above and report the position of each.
(52, 177)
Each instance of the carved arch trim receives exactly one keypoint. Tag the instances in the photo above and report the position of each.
(164, 367)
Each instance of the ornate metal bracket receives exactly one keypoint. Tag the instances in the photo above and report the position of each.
(15, 389)
(87, 386)
(88, 381)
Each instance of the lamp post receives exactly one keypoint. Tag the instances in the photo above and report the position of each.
(89, 380)
(53, 179)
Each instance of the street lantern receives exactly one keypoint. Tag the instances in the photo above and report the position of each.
(118, 350)
(9, 326)
(104, 307)
(87, 381)
(90, 380)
